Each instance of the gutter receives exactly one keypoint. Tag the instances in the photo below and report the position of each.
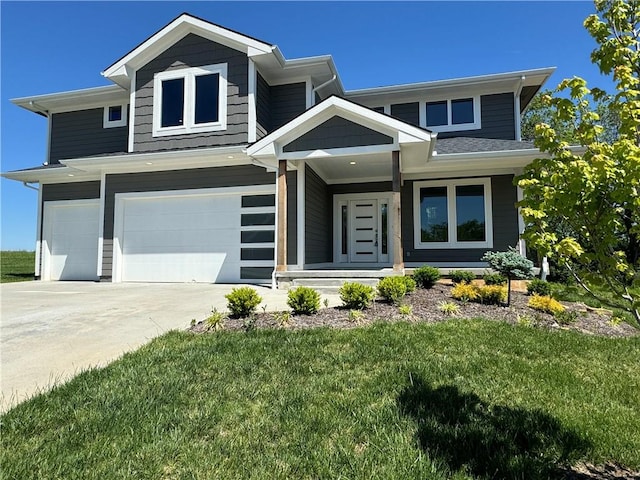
(516, 107)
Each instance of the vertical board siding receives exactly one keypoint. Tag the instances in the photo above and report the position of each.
(497, 116)
(286, 103)
(505, 225)
(407, 112)
(263, 109)
(80, 134)
(318, 219)
(337, 132)
(70, 191)
(193, 51)
(172, 180)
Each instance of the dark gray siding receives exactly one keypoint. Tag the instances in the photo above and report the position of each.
(80, 134)
(407, 112)
(70, 191)
(263, 109)
(286, 103)
(497, 116)
(505, 225)
(193, 51)
(172, 180)
(292, 218)
(337, 132)
(318, 215)
(360, 187)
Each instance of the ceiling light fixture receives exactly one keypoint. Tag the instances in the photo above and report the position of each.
(352, 163)
(149, 163)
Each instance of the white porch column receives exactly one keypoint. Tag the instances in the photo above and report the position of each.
(396, 214)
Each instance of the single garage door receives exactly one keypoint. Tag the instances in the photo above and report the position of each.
(190, 238)
(70, 236)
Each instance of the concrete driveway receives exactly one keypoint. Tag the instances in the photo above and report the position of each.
(50, 331)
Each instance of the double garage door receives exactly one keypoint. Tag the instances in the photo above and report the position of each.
(194, 237)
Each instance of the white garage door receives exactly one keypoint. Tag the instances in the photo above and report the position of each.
(194, 238)
(70, 235)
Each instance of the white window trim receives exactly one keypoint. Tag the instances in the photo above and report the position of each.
(452, 214)
(106, 123)
(450, 127)
(189, 75)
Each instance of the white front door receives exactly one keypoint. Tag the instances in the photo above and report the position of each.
(364, 231)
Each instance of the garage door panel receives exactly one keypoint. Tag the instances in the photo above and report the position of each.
(181, 268)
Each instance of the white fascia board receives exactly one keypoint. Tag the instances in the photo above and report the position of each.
(178, 29)
(51, 175)
(73, 99)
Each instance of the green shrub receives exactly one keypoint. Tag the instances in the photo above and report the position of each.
(405, 310)
(545, 304)
(356, 316)
(243, 301)
(356, 295)
(426, 276)
(465, 292)
(462, 276)
(303, 300)
(494, 279)
(510, 264)
(216, 320)
(566, 317)
(448, 308)
(539, 287)
(409, 283)
(392, 289)
(492, 294)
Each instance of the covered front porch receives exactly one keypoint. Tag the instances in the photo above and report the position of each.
(349, 161)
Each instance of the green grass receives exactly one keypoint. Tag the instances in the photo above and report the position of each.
(460, 399)
(16, 266)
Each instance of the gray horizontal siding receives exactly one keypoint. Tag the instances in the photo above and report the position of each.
(407, 112)
(505, 225)
(263, 109)
(370, 187)
(70, 191)
(80, 134)
(337, 132)
(193, 51)
(497, 116)
(318, 219)
(172, 180)
(286, 102)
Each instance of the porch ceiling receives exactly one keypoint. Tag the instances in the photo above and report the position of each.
(348, 168)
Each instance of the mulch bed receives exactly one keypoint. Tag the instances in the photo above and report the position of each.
(424, 308)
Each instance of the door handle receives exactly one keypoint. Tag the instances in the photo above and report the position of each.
(376, 244)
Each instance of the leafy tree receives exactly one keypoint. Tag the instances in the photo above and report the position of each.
(594, 189)
(510, 264)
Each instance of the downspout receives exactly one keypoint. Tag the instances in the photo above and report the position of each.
(26, 184)
(516, 107)
(332, 79)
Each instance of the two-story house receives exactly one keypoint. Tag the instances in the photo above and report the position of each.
(213, 158)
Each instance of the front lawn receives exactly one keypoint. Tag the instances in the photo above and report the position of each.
(457, 399)
(16, 266)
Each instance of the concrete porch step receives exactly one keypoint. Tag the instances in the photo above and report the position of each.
(331, 282)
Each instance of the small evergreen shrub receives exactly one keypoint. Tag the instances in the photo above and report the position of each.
(448, 308)
(356, 295)
(303, 301)
(462, 276)
(392, 289)
(409, 283)
(545, 304)
(494, 279)
(539, 287)
(426, 276)
(492, 294)
(465, 292)
(510, 264)
(243, 301)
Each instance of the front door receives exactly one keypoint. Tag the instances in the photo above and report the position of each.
(364, 231)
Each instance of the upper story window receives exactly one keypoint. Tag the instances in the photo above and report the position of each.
(453, 114)
(114, 116)
(190, 100)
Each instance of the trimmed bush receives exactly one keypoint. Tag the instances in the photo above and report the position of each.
(303, 300)
(462, 276)
(539, 287)
(392, 289)
(410, 284)
(243, 301)
(494, 279)
(426, 276)
(356, 295)
(545, 304)
(492, 294)
(510, 264)
(465, 292)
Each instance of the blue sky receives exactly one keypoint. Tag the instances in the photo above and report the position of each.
(50, 47)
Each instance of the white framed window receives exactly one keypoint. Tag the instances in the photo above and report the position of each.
(190, 100)
(114, 116)
(450, 115)
(453, 214)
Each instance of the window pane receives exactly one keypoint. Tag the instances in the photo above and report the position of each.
(470, 213)
(172, 102)
(385, 228)
(436, 114)
(345, 229)
(115, 113)
(434, 222)
(207, 98)
(462, 111)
